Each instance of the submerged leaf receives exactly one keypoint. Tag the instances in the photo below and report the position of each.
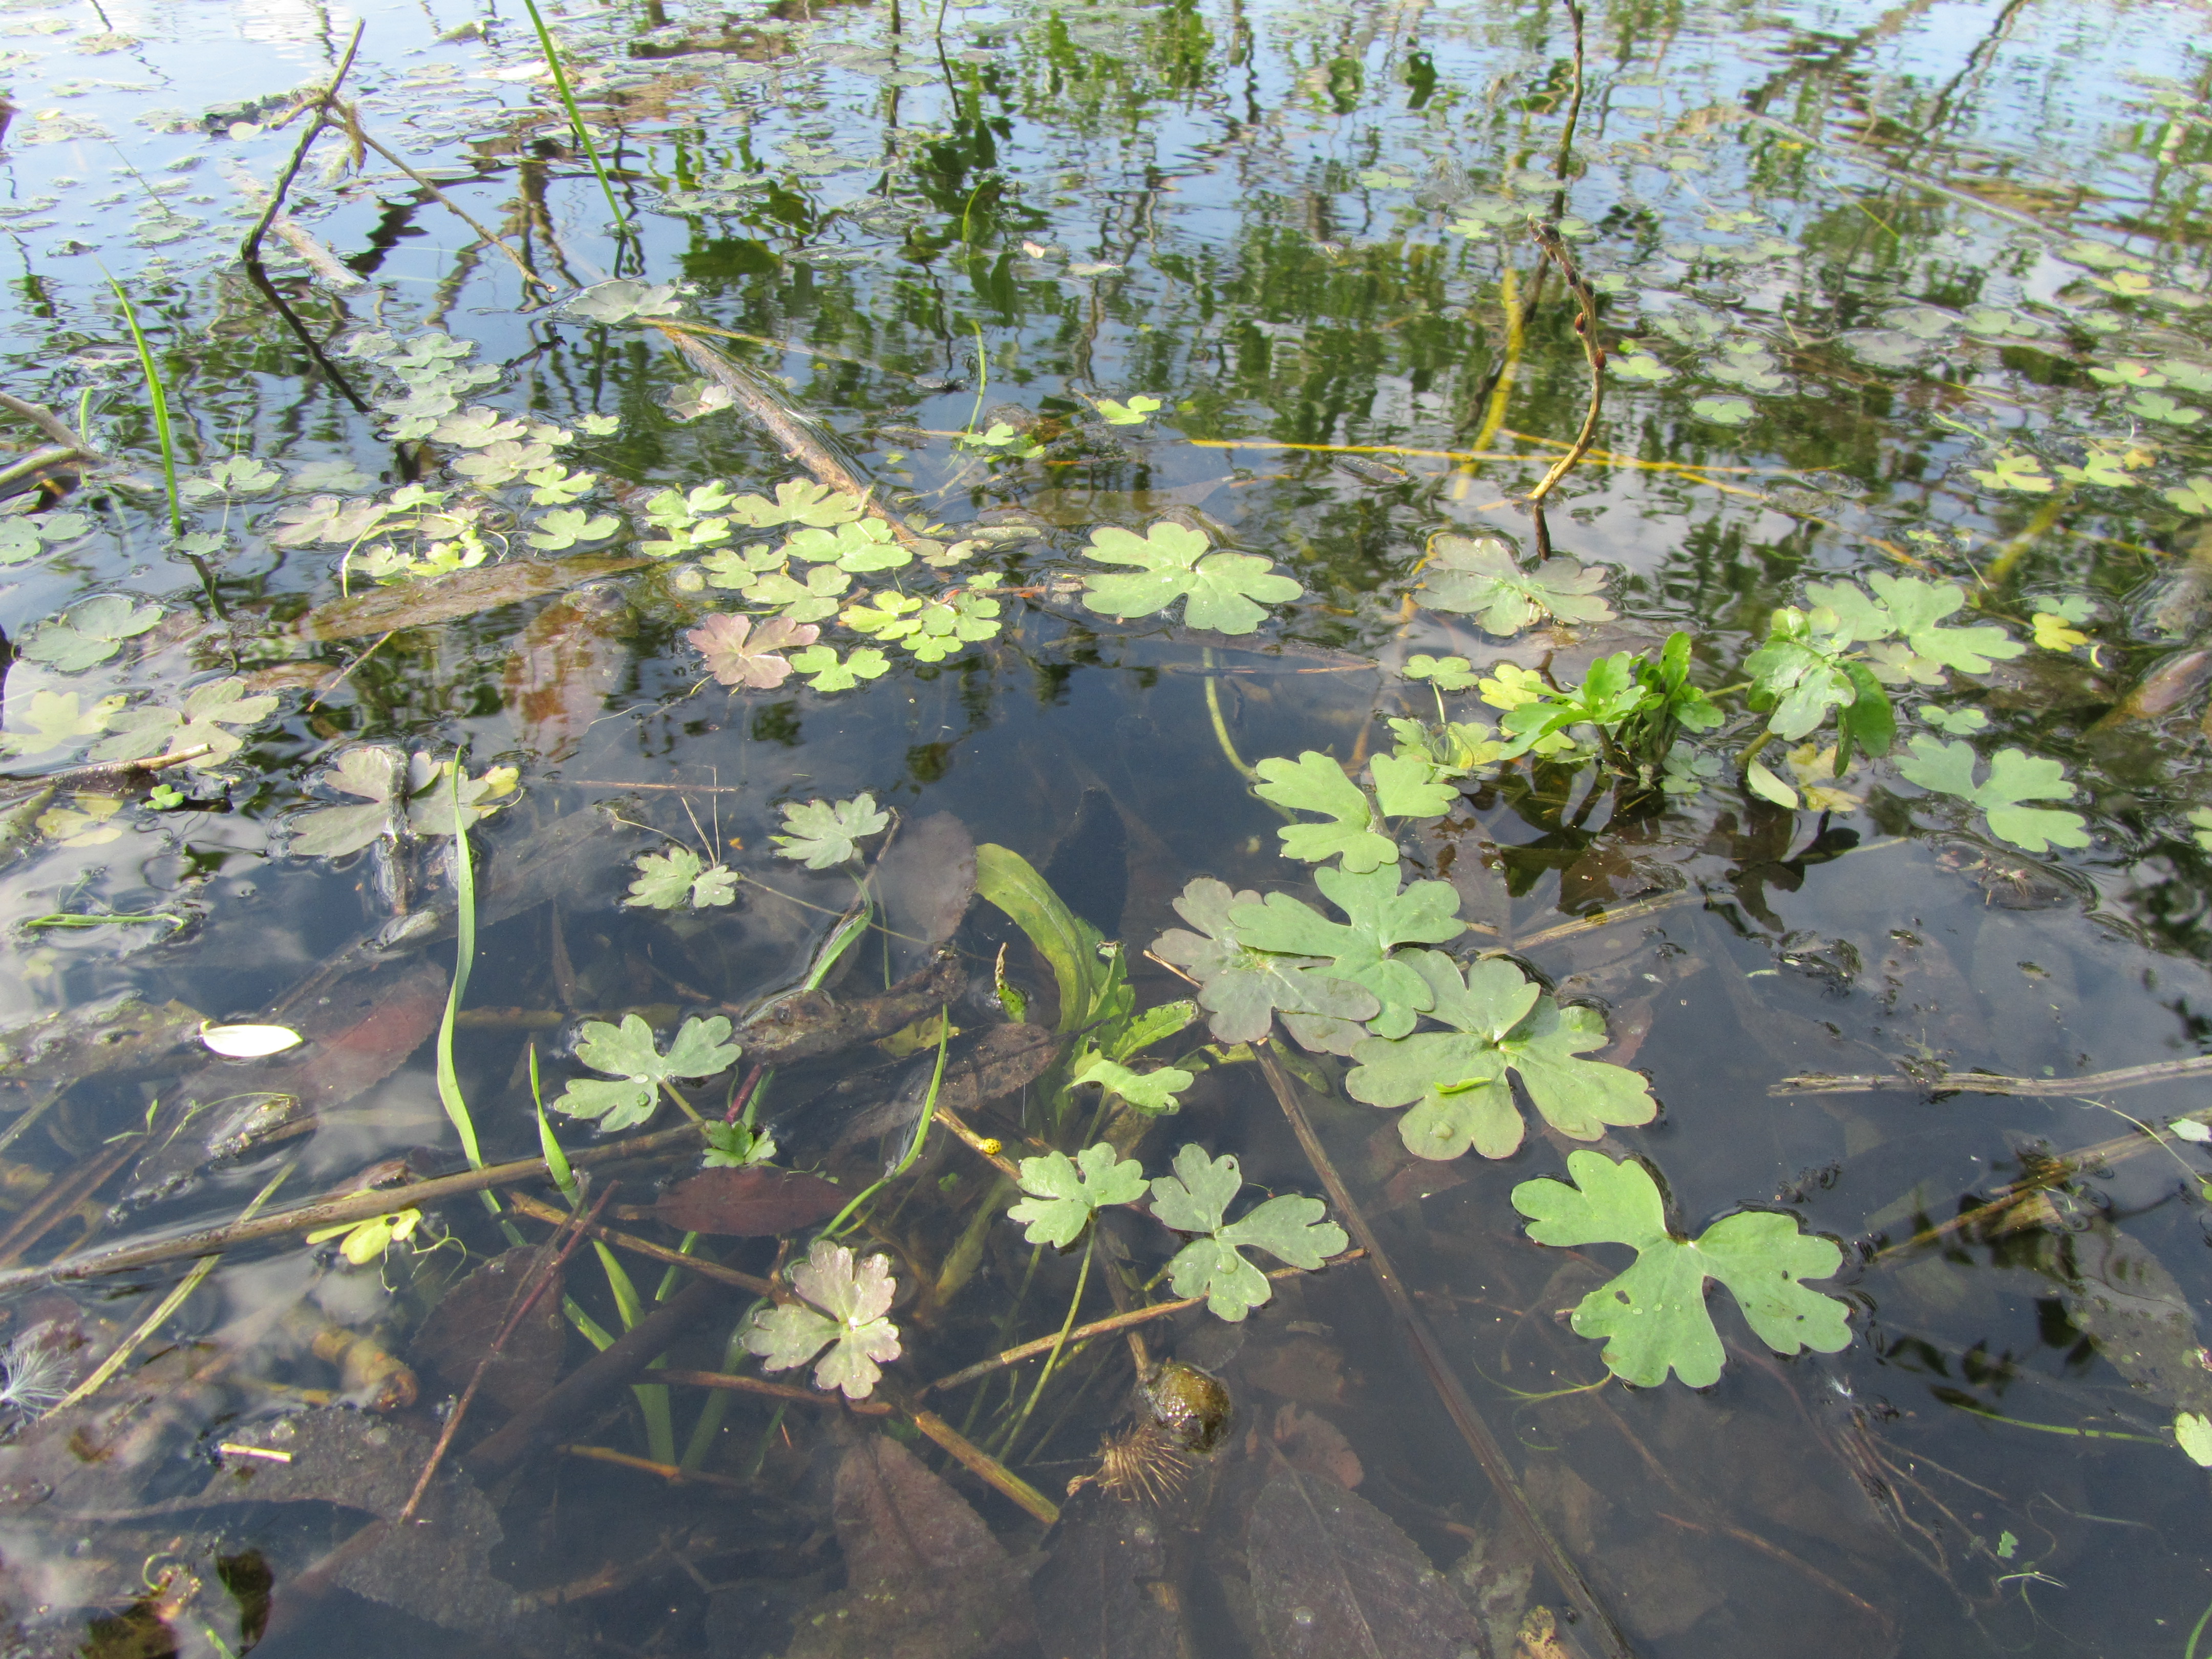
(1653, 1316)
(842, 1307)
(1333, 1576)
(88, 633)
(748, 1203)
(1479, 573)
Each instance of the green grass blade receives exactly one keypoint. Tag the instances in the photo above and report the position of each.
(160, 399)
(575, 116)
(464, 932)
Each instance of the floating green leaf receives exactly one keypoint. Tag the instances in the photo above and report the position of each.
(1360, 949)
(1063, 1194)
(822, 832)
(842, 1307)
(1500, 1021)
(1653, 1316)
(1225, 590)
(2013, 469)
(2015, 776)
(1409, 786)
(1479, 573)
(1799, 673)
(1316, 783)
(627, 1052)
(1241, 989)
(565, 527)
(677, 877)
(824, 672)
(88, 633)
(1196, 1199)
(1723, 411)
(624, 300)
(801, 502)
(1915, 609)
(1445, 673)
(202, 720)
(234, 474)
(1133, 413)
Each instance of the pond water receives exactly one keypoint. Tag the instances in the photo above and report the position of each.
(954, 545)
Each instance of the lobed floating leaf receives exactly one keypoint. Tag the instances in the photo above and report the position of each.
(1653, 1317)
(1455, 1080)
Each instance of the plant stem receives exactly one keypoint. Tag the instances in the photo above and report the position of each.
(1060, 1342)
(575, 116)
(465, 955)
(159, 397)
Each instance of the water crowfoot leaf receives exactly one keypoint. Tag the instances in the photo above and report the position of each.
(1455, 1080)
(2015, 776)
(55, 719)
(825, 673)
(823, 833)
(739, 652)
(671, 880)
(1196, 1199)
(1063, 1193)
(1380, 919)
(1653, 1317)
(842, 1307)
(1242, 989)
(1915, 607)
(1445, 673)
(627, 1052)
(1410, 787)
(624, 300)
(203, 720)
(88, 633)
(1479, 573)
(565, 527)
(1316, 783)
(1226, 591)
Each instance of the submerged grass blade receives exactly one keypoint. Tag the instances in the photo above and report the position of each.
(158, 396)
(575, 115)
(464, 954)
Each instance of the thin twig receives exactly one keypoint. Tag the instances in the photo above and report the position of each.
(987, 1150)
(1454, 1396)
(671, 1473)
(46, 421)
(548, 1275)
(1083, 1333)
(739, 1382)
(526, 1204)
(1548, 238)
(987, 1467)
(110, 774)
(250, 249)
(326, 1212)
(354, 128)
(808, 451)
(37, 461)
(1979, 1083)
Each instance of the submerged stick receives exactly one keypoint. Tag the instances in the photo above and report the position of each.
(547, 1274)
(1548, 238)
(598, 1377)
(1460, 1409)
(1981, 1083)
(525, 1205)
(985, 1467)
(1121, 1321)
(47, 421)
(739, 1382)
(808, 451)
(326, 1212)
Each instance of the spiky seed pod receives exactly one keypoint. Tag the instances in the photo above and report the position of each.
(1142, 1464)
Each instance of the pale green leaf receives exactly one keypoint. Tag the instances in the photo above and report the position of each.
(823, 833)
(1240, 988)
(1480, 574)
(1064, 1193)
(1380, 918)
(1653, 1317)
(1316, 783)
